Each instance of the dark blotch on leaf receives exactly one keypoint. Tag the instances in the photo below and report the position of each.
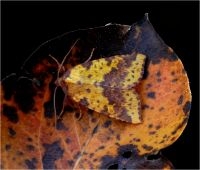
(68, 140)
(29, 139)
(31, 164)
(77, 115)
(7, 147)
(187, 107)
(127, 154)
(24, 95)
(70, 163)
(11, 113)
(145, 106)
(77, 155)
(11, 131)
(48, 109)
(118, 136)
(60, 125)
(153, 157)
(113, 166)
(151, 95)
(107, 123)
(180, 100)
(52, 153)
(145, 73)
(30, 147)
(95, 130)
(158, 74)
(101, 147)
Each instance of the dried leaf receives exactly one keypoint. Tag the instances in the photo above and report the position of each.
(84, 138)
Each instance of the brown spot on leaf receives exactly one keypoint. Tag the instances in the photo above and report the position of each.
(11, 131)
(30, 147)
(7, 147)
(180, 100)
(52, 153)
(107, 123)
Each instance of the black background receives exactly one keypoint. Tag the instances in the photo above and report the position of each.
(25, 25)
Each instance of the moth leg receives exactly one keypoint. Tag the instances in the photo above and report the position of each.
(78, 112)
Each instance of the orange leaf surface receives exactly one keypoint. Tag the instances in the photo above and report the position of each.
(32, 137)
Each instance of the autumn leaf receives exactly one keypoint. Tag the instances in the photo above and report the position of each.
(33, 137)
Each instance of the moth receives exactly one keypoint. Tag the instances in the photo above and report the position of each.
(107, 85)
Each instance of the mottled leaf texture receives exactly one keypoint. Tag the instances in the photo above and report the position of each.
(83, 137)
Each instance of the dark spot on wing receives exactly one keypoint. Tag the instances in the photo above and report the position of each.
(158, 127)
(136, 139)
(11, 113)
(88, 90)
(147, 147)
(152, 132)
(150, 126)
(30, 147)
(52, 152)
(84, 102)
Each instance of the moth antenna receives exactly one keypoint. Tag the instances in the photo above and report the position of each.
(63, 106)
(54, 104)
(91, 54)
(66, 56)
(60, 66)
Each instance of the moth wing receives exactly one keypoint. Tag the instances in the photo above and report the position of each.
(119, 104)
(120, 71)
